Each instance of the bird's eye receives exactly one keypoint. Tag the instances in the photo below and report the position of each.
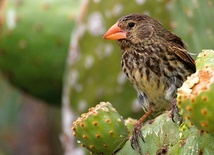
(131, 24)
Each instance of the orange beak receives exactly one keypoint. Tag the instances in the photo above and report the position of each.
(115, 33)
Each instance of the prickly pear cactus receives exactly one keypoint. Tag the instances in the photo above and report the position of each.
(102, 130)
(34, 40)
(205, 59)
(161, 136)
(196, 96)
(96, 74)
(130, 122)
(191, 20)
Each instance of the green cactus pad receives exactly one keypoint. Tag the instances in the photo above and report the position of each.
(158, 134)
(191, 20)
(34, 42)
(130, 122)
(195, 99)
(205, 59)
(162, 136)
(102, 130)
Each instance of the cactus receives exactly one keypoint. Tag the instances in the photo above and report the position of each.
(205, 59)
(34, 41)
(195, 97)
(161, 135)
(102, 130)
(191, 20)
(130, 122)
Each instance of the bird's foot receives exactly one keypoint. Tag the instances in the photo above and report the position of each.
(175, 110)
(137, 133)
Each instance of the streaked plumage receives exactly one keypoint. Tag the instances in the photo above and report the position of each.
(154, 60)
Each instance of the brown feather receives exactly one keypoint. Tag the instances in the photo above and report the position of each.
(182, 53)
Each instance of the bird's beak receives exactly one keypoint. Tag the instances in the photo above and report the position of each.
(115, 33)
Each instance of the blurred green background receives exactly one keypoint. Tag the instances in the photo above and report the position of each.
(53, 50)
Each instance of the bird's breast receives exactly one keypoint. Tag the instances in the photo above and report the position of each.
(144, 71)
(149, 74)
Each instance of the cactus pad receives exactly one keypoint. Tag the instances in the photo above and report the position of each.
(195, 99)
(162, 136)
(205, 59)
(130, 122)
(34, 40)
(102, 130)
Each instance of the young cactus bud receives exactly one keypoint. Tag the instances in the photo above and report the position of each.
(130, 122)
(102, 130)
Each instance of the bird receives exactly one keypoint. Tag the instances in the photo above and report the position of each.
(155, 61)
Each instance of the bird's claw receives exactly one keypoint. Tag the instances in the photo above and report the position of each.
(134, 138)
(175, 110)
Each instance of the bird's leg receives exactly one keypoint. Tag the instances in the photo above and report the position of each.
(137, 132)
(175, 110)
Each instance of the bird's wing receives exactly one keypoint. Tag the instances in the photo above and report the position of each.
(182, 53)
(179, 48)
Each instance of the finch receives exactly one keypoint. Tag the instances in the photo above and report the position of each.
(155, 61)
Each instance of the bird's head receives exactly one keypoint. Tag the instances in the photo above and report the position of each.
(135, 28)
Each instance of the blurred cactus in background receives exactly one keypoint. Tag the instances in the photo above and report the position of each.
(192, 21)
(34, 41)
